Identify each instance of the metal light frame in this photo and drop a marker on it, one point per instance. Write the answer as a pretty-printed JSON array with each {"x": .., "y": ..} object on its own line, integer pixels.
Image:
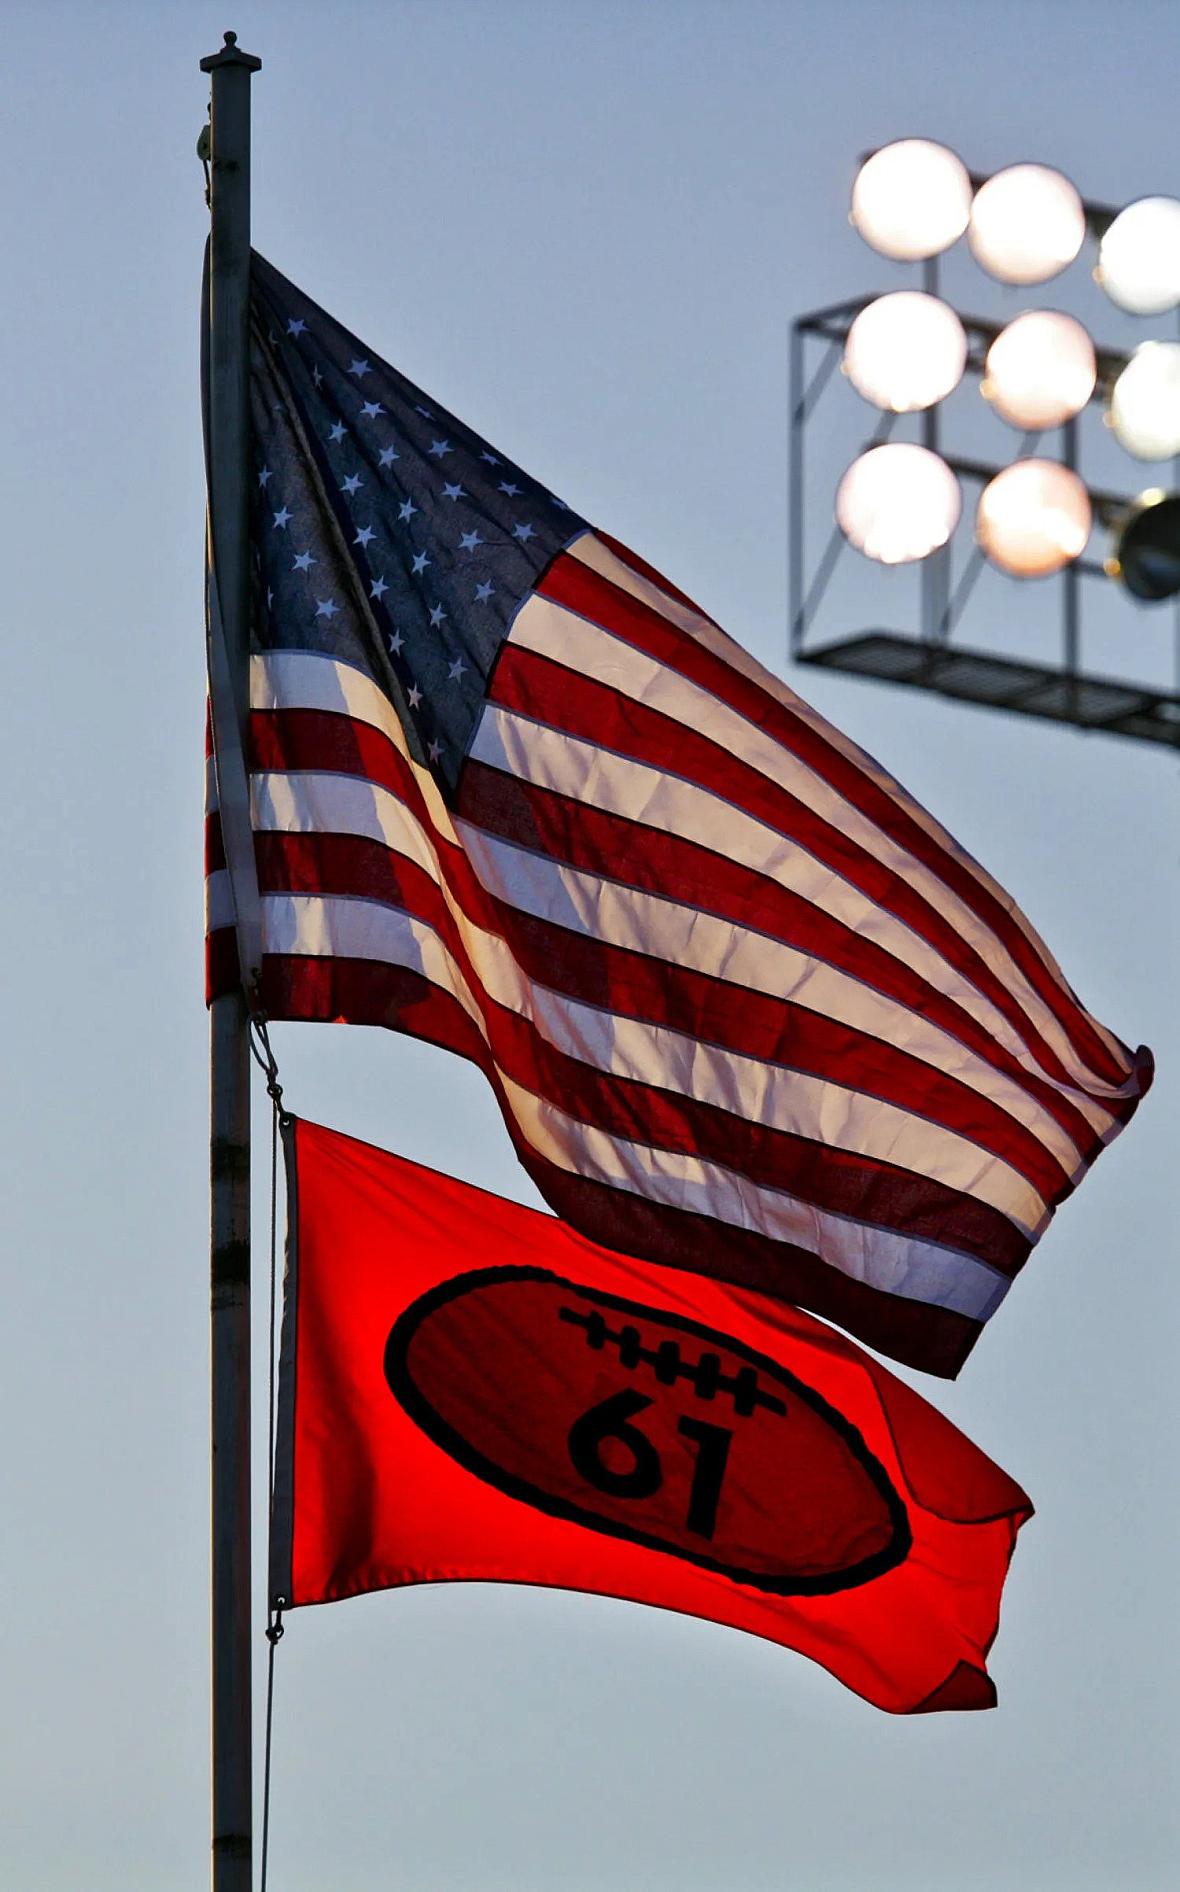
[{"x": 931, "y": 660}]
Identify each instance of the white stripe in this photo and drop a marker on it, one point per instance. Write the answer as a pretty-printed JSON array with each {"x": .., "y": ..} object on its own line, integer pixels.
[
  {"x": 594, "y": 776},
  {"x": 783, "y": 1099},
  {"x": 683, "y": 936},
  {"x": 915, "y": 1270},
  {"x": 787, "y": 1100},
  {"x": 589, "y": 650},
  {"x": 299, "y": 679},
  {"x": 593, "y": 553},
  {"x": 896, "y": 1264}
]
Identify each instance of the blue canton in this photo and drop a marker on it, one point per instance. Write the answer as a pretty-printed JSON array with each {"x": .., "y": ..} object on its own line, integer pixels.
[{"x": 387, "y": 534}]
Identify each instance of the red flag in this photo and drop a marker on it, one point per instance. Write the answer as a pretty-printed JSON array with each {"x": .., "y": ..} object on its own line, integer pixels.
[{"x": 470, "y": 1390}]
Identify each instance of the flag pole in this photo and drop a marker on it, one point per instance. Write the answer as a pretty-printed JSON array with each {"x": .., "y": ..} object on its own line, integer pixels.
[{"x": 229, "y": 1048}]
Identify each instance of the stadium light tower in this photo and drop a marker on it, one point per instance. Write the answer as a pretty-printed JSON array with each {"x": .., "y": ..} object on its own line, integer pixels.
[{"x": 905, "y": 501}]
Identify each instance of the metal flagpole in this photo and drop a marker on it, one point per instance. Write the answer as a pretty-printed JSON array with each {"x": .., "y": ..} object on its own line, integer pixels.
[{"x": 229, "y": 1068}]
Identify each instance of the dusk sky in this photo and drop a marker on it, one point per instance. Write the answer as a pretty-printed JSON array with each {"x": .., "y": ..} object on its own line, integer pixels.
[{"x": 585, "y": 226}]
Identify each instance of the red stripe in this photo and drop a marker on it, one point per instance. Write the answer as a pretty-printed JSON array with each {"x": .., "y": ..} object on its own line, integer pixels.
[
  {"x": 563, "y": 699},
  {"x": 846, "y": 1183},
  {"x": 643, "y": 570},
  {"x": 776, "y": 1032},
  {"x": 221, "y": 963},
  {"x": 288, "y": 741},
  {"x": 571, "y": 583},
  {"x": 634, "y": 986},
  {"x": 755, "y": 1024},
  {"x": 594, "y": 841},
  {"x": 931, "y": 1339}
]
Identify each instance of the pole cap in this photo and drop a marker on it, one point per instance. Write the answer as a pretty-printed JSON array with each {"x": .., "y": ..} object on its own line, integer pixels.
[{"x": 231, "y": 54}]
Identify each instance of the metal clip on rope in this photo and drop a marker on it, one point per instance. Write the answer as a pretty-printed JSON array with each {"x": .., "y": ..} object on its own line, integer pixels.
[{"x": 264, "y": 1057}]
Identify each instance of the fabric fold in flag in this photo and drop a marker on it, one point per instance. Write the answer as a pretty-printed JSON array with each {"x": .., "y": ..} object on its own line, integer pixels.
[
  {"x": 469, "y": 1390},
  {"x": 745, "y": 1006}
]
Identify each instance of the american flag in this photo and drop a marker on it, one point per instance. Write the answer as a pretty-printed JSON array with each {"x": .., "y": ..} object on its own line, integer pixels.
[{"x": 745, "y": 1006}]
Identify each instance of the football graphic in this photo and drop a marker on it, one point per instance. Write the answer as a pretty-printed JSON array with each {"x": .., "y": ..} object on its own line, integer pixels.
[{"x": 635, "y": 1421}]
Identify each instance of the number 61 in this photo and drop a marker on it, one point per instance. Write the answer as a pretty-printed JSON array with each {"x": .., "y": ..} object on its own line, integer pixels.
[{"x": 612, "y": 1419}]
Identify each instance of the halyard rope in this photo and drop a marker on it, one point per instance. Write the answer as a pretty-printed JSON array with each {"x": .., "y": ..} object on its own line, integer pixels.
[{"x": 260, "y": 1047}]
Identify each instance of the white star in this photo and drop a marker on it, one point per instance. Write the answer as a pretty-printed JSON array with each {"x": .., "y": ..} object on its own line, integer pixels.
[
  {"x": 359, "y": 368},
  {"x": 413, "y": 696},
  {"x": 304, "y": 562},
  {"x": 337, "y": 432},
  {"x": 457, "y": 669},
  {"x": 352, "y": 484},
  {"x": 512, "y": 491},
  {"x": 395, "y": 644},
  {"x": 490, "y": 459},
  {"x": 406, "y": 510},
  {"x": 559, "y": 503},
  {"x": 523, "y": 533},
  {"x": 378, "y": 588},
  {"x": 297, "y": 326},
  {"x": 453, "y": 492},
  {"x": 437, "y": 616},
  {"x": 425, "y": 413},
  {"x": 388, "y": 456},
  {"x": 420, "y": 563},
  {"x": 470, "y": 540},
  {"x": 371, "y": 409},
  {"x": 316, "y": 376},
  {"x": 434, "y": 751},
  {"x": 265, "y": 477},
  {"x": 440, "y": 448},
  {"x": 483, "y": 593},
  {"x": 281, "y": 519},
  {"x": 364, "y": 535},
  {"x": 326, "y": 608}
]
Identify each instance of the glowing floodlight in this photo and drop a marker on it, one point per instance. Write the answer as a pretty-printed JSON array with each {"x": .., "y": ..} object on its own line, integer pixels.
[
  {"x": 1145, "y": 403},
  {"x": 911, "y": 199},
  {"x": 898, "y": 503},
  {"x": 1027, "y": 224},
  {"x": 905, "y": 351},
  {"x": 1041, "y": 370},
  {"x": 1147, "y": 547},
  {"x": 1139, "y": 257},
  {"x": 1033, "y": 518}
]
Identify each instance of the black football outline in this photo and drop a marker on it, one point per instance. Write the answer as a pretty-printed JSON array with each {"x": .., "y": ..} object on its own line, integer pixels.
[{"x": 418, "y": 1408}]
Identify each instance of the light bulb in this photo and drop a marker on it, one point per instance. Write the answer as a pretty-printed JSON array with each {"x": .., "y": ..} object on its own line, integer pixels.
[
  {"x": 1145, "y": 402},
  {"x": 911, "y": 199},
  {"x": 1041, "y": 370},
  {"x": 905, "y": 351},
  {"x": 898, "y": 503},
  {"x": 1027, "y": 224},
  {"x": 1139, "y": 257},
  {"x": 1033, "y": 518}
]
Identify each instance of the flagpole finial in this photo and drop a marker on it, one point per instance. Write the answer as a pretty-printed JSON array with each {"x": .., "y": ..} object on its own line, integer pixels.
[{"x": 231, "y": 54}]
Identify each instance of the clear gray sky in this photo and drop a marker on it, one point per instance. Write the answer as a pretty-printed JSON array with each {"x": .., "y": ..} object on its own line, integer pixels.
[{"x": 585, "y": 225}]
